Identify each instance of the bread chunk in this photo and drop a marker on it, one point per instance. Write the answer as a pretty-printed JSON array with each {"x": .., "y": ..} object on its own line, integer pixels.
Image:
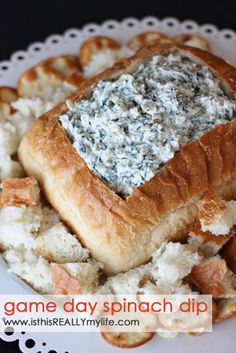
[
  {"x": 229, "y": 253},
  {"x": 19, "y": 192},
  {"x": 213, "y": 277},
  {"x": 207, "y": 243}
]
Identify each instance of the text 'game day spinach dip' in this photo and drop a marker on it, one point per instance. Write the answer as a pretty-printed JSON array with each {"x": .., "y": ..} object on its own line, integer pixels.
[{"x": 130, "y": 126}]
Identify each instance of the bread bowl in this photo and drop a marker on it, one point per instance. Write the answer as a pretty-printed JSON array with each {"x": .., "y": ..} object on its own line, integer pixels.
[{"x": 123, "y": 232}]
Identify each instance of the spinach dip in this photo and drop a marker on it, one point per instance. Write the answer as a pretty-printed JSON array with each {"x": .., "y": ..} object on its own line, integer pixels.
[{"x": 130, "y": 126}]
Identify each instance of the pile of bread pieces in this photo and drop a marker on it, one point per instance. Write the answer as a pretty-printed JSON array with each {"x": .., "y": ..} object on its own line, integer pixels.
[{"x": 46, "y": 253}]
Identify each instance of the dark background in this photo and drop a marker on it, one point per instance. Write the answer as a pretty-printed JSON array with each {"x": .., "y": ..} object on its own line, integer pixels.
[{"x": 23, "y": 22}]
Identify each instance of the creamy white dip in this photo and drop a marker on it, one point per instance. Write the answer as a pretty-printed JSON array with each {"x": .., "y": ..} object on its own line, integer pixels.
[{"x": 130, "y": 126}]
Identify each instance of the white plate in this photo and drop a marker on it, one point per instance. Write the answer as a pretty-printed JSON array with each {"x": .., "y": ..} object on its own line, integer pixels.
[{"x": 223, "y": 43}]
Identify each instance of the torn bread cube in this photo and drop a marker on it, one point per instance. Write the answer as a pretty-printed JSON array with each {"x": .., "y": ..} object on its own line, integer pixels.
[
  {"x": 88, "y": 273},
  {"x": 163, "y": 275},
  {"x": 170, "y": 264},
  {"x": 128, "y": 283},
  {"x": 33, "y": 269},
  {"x": 5, "y": 110},
  {"x": 9, "y": 167},
  {"x": 226, "y": 308},
  {"x": 19, "y": 226},
  {"x": 206, "y": 243},
  {"x": 213, "y": 277},
  {"x": 8, "y": 138},
  {"x": 19, "y": 192},
  {"x": 58, "y": 245},
  {"x": 216, "y": 215},
  {"x": 63, "y": 283},
  {"x": 76, "y": 278},
  {"x": 49, "y": 218},
  {"x": 229, "y": 254}
]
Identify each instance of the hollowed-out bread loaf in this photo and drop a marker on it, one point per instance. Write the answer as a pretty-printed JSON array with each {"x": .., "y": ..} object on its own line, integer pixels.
[{"x": 122, "y": 232}]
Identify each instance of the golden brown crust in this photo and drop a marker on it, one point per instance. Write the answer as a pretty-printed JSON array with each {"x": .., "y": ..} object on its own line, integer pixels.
[
  {"x": 212, "y": 209},
  {"x": 192, "y": 40},
  {"x": 193, "y": 334},
  {"x": 93, "y": 45},
  {"x": 8, "y": 94},
  {"x": 50, "y": 72},
  {"x": 123, "y": 233},
  {"x": 63, "y": 283},
  {"x": 208, "y": 237},
  {"x": 18, "y": 192},
  {"x": 127, "y": 339},
  {"x": 208, "y": 276},
  {"x": 148, "y": 38},
  {"x": 74, "y": 81}
]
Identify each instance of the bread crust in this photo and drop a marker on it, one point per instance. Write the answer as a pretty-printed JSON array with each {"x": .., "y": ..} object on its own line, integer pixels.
[
  {"x": 127, "y": 339},
  {"x": 200, "y": 42},
  {"x": 229, "y": 252},
  {"x": 19, "y": 192},
  {"x": 52, "y": 71},
  {"x": 121, "y": 233},
  {"x": 93, "y": 45},
  {"x": 209, "y": 275},
  {"x": 148, "y": 38}
]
